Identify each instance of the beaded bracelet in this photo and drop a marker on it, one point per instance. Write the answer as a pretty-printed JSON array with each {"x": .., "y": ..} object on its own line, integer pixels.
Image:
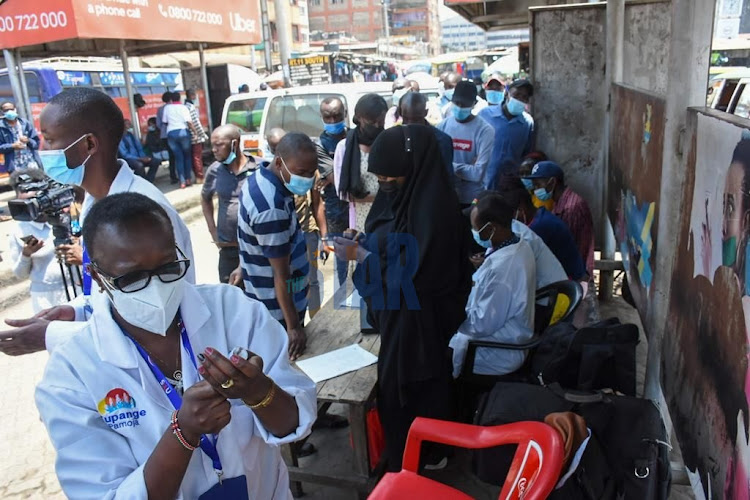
[
  {"x": 265, "y": 401},
  {"x": 178, "y": 433}
]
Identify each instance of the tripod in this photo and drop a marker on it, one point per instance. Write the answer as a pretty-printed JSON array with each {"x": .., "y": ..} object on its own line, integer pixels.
[
  {"x": 62, "y": 234},
  {"x": 69, "y": 285}
]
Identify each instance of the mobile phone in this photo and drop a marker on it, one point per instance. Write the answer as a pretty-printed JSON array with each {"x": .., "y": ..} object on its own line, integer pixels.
[{"x": 28, "y": 239}]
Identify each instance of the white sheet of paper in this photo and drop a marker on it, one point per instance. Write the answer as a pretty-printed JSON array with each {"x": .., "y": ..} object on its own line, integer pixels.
[
  {"x": 353, "y": 301},
  {"x": 335, "y": 363}
]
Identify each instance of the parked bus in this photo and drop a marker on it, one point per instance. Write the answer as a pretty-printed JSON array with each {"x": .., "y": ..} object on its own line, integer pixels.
[{"x": 46, "y": 78}]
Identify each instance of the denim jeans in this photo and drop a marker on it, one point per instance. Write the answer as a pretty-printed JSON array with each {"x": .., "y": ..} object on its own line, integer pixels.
[{"x": 179, "y": 143}]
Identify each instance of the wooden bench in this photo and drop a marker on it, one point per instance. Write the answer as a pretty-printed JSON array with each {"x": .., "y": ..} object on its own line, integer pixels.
[{"x": 330, "y": 329}]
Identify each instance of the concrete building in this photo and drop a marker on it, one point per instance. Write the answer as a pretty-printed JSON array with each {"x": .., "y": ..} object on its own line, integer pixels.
[
  {"x": 415, "y": 20},
  {"x": 298, "y": 19},
  {"x": 418, "y": 19},
  {"x": 460, "y": 34},
  {"x": 361, "y": 19}
]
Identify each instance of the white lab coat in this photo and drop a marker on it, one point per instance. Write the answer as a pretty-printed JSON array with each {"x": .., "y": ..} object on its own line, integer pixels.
[
  {"x": 95, "y": 461},
  {"x": 125, "y": 182},
  {"x": 548, "y": 268},
  {"x": 500, "y": 309}
]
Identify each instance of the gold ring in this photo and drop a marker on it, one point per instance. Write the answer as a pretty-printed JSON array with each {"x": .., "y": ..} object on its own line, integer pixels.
[{"x": 229, "y": 383}]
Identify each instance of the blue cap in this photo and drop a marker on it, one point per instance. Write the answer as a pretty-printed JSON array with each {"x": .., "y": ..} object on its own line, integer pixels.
[{"x": 545, "y": 170}]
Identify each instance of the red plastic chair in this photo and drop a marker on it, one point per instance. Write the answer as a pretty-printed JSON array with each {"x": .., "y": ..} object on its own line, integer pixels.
[{"x": 533, "y": 473}]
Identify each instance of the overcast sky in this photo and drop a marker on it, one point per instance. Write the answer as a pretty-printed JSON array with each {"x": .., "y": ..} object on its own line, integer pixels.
[{"x": 445, "y": 12}]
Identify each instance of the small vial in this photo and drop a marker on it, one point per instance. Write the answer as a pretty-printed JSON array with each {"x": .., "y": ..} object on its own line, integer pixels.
[{"x": 240, "y": 352}]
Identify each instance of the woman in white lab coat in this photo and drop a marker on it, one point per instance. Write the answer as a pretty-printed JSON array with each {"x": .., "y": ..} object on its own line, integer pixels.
[
  {"x": 145, "y": 401},
  {"x": 501, "y": 303}
]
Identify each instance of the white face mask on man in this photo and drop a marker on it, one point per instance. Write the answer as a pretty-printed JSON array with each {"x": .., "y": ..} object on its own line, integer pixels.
[{"x": 153, "y": 308}]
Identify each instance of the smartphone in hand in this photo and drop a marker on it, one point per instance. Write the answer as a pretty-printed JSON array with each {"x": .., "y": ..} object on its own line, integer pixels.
[{"x": 28, "y": 240}]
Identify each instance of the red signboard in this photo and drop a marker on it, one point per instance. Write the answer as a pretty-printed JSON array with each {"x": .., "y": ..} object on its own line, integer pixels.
[
  {"x": 28, "y": 23},
  {"x": 24, "y": 22}
]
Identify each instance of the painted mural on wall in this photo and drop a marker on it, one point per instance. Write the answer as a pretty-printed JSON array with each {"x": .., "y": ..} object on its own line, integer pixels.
[
  {"x": 635, "y": 156},
  {"x": 705, "y": 353},
  {"x": 635, "y": 240}
]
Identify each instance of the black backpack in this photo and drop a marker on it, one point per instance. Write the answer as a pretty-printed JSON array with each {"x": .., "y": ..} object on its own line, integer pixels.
[
  {"x": 598, "y": 356},
  {"x": 627, "y": 455}
]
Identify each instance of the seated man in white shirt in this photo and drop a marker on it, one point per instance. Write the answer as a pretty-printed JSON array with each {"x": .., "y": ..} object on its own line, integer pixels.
[
  {"x": 501, "y": 303},
  {"x": 82, "y": 128}
]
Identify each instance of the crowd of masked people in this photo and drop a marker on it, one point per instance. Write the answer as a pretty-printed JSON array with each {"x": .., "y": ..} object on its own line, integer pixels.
[
  {"x": 446, "y": 231},
  {"x": 175, "y": 135}
]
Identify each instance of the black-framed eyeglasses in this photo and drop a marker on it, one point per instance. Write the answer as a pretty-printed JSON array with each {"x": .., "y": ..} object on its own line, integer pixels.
[{"x": 138, "y": 280}]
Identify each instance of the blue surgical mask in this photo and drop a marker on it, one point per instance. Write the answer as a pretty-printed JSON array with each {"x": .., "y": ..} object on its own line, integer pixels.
[
  {"x": 460, "y": 114},
  {"x": 542, "y": 194},
  {"x": 152, "y": 128},
  {"x": 528, "y": 184},
  {"x": 297, "y": 184},
  {"x": 232, "y": 156},
  {"x": 495, "y": 96},
  {"x": 11, "y": 115},
  {"x": 334, "y": 128},
  {"x": 515, "y": 107},
  {"x": 449, "y": 94},
  {"x": 483, "y": 243},
  {"x": 56, "y": 165}
]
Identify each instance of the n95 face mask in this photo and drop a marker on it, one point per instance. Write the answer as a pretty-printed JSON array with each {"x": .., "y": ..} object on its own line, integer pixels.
[{"x": 153, "y": 308}]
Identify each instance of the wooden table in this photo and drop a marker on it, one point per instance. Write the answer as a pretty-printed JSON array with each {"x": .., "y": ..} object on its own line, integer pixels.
[{"x": 331, "y": 329}]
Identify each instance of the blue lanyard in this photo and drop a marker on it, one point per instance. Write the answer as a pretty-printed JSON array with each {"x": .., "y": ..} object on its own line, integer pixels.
[
  {"x": 86, "y": 285},
  {"x": 207, "y": 445}
]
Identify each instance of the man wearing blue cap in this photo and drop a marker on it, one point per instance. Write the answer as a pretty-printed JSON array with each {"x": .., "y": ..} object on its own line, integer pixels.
[
  {"x": 514, "y": 131},
  {"x": 549, "y": 183}
]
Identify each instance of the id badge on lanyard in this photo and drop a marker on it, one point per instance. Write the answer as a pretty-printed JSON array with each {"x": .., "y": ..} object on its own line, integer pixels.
[
  {"x": 207, "y": 443},
  {"x": 86, "y": 282}
]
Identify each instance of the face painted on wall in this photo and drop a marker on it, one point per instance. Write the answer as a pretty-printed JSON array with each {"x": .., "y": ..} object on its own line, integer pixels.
[{"x": 734, "y": 221}]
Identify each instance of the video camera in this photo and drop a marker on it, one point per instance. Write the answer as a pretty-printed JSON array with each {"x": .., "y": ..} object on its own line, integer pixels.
[{"x": 51, "y": 199}]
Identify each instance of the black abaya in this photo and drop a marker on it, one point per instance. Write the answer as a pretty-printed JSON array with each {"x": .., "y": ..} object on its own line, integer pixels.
[{"x": 414, "y": 366}]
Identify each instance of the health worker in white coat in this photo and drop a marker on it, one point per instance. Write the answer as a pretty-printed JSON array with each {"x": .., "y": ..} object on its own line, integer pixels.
[
  {"x": 501, "y": 304},
  {"x": 146, "y": 400},
  {"x": 82, "y": 128}
]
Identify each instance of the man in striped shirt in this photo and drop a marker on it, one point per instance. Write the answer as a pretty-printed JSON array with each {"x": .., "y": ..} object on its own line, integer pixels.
[{"x": 273, "y": 255}]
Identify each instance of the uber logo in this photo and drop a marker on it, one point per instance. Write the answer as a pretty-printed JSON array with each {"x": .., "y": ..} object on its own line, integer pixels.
[{"x": 238, "y": 23}]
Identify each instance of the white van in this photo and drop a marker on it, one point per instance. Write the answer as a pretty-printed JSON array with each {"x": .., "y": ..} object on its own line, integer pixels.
[{"x": 294, "y": 110}]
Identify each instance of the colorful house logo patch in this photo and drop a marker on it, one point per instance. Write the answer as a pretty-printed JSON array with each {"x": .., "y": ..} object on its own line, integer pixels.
[{"x": 119, "y": 410}]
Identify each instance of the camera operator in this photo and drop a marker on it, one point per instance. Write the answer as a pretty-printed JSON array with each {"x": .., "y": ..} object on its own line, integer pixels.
[
  {"x": 32, "y": 253},
  {"x": 82, "y": 129}
]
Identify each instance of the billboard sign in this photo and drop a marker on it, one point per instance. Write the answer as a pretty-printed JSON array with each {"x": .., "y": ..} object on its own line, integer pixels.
[{"x": 30, "y": 23}]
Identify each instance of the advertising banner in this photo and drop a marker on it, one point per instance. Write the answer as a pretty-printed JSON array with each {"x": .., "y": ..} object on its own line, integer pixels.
[{"x": 30, "y": 23}]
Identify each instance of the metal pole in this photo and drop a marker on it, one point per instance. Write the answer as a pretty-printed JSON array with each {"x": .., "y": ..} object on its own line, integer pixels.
[
  {"x": 15, "y": 83},
  {"x": 204, "y": 82},
  {"x": 129, "y": 90},
  {"x": 267, "y": 40},
  {"x": 282, "y": 29},
  {"x": 615, "y": 44},
  {"x": 24, "y": 87},
  {"x": 387, "y": 28}
]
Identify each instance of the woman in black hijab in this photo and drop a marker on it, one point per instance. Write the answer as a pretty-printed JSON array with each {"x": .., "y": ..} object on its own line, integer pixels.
[
  {"x": 415, "y": 277},
  {"x": 353, "y": 182}
]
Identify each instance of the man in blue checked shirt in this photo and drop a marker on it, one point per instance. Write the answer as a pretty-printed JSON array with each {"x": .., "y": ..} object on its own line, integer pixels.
[
  {"x": 514, "y": 132},
  {"x": 273, "y": 254}
]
